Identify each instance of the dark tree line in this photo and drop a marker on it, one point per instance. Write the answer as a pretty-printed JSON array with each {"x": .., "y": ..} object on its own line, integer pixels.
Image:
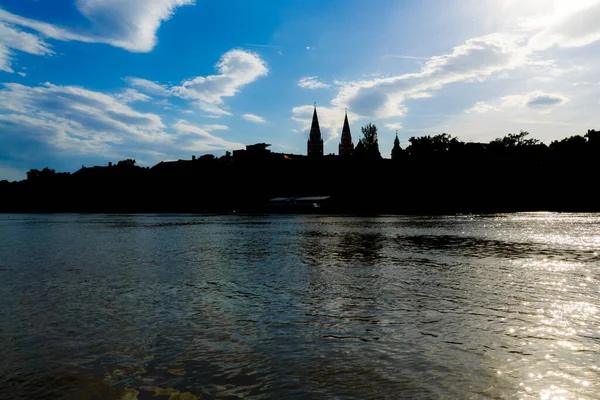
[
  {"x": 433, "y": 174},
  {"x": 517, "y": 146}
]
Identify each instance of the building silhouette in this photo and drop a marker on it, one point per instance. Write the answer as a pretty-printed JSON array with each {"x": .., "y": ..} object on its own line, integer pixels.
[
  {"x": 396, "y": 150},
  {"x": 346, "y": 147},
  {"x": 315, "y": 141},
  {"x": 253, "y": 152}
]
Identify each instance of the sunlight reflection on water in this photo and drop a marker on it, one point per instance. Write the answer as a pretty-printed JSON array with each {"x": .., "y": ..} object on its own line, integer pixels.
[{"x": 137, "y": 306}]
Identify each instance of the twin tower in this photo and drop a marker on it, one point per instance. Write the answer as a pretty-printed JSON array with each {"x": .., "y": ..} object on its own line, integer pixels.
[{"x": 315, "y": 141}]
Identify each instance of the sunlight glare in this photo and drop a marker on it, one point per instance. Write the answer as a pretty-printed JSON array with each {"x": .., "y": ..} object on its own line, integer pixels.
[{"x": 565, "y": 7}]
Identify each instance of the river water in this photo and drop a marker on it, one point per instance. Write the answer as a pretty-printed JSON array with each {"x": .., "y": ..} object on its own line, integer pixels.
[{"x": 185, "y": 307}]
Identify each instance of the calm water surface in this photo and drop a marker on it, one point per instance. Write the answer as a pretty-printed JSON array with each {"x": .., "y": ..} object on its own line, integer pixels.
[{"x": 185, "y": 307}]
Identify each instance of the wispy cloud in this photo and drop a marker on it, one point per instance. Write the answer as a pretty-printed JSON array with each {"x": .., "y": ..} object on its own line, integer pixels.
[
  {"x": 132, "y": 95},
  {"x": 194, "y": 138},
  {"x": 12, "y": 38},
  {"x": 312, "y": 82},
  {"x": 266, "y": 46},
  {"x": 573, "y": 29},
  {"x": 78, "y": 121},
  {"x": 216, "y": 127},
  {"x": 537, "y": 100},
  {"x": 475, "y": 60},
  {"x": 149, "y": 86},
  {"x": 481, "y": 107},
  {"x": 128, "y": 24},
  {"x": 254, "y": 118},
  {"x": 395, "y": 125},
  {"x": 236, "y": 69}
]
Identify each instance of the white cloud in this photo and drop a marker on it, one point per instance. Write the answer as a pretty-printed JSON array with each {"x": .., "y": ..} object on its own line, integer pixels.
[
  {"x": 5, "y": 56},
  {"x": 132, "y": 95},
  {"x": 164, "y": 104},
  {"x": 194, "y": 138},
  {"x": 215, "y": 127},
  {"x": 236, "y": 69},
  {"x": 585, "y": 83},
  {"x": 331, "y": 120},
  {"x": 254, "y": 118},
  {"x": 78, "y": 121},
  {"x": 482, "y": 107},
  {"x": 23, "y": 41},
  {"x": 148, "y": 86},
  {"x": 536, "y": 100},
  {"x": 393, "y": 126},
  {"x": 48, "y": 30},
  {"x": 575, "y": 28},
  {"x": 75, "y": 119},
  {"x": 476, "y": 60},
  {"x": 128, "y": 24},
  {"x": 312, "y": 82},
  {"x": 16, "y": 39},
  {"x": 23, "y": 74},
  {"x": 546, "y": 115}
]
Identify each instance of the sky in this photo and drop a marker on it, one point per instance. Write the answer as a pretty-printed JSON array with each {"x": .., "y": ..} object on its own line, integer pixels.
[{"x": 85, "y": 82}]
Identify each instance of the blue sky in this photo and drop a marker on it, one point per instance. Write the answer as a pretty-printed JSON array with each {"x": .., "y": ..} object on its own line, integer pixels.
[{"x": 84, "y": 82}]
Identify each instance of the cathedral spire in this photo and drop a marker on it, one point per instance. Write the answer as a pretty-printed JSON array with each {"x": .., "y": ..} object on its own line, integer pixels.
[
  {"x": 397, "y": 150},
  {"x": 314, "y": 128},
  {"x": 346, "y": 147},
  {"x": 315, "y": 141}
]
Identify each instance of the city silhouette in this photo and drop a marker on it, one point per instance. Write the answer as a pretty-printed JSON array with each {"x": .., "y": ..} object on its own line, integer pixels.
[{"x": 433, "y": 174}]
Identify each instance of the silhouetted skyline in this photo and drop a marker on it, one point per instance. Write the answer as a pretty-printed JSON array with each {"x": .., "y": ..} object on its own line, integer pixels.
[{"x": 434, "y": 174}]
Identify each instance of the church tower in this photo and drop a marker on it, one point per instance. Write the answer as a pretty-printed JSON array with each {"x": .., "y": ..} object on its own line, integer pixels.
[
  {"x": 315, "y": 141},
  {"x": 397, "y": 150},
  {"x": 346, "y": 147}
]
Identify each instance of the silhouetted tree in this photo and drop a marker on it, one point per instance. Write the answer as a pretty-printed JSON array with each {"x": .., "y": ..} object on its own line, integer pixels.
[
  {"x": 226, "y": 157},
  {"x": 428, "y": 145},
  {"x": 126, "y": 163},
  {"x": 369, "y": 142},
  {"x": 574, "y": 145},
  {"x": 514, "y": 140},
  {"x": 519, "y": 149},
  {"x": 593, "y": 137},
  {"x": 32, "y": 174},
  {"x": 207, "y": 157},
  {"x": 45, "y": 174}
]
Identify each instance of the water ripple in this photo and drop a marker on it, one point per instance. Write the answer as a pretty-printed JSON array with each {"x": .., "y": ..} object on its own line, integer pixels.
[{"x": 185, "y": 307}]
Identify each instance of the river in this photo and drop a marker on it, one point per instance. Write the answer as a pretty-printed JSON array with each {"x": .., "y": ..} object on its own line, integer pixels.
[{"x": 322, "y": 307}]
